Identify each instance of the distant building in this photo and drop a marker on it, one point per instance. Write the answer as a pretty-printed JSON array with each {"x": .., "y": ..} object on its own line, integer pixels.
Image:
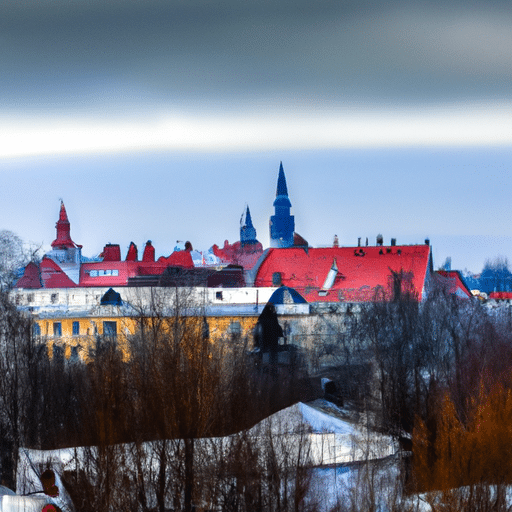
[{"x": 71, "y": 298}]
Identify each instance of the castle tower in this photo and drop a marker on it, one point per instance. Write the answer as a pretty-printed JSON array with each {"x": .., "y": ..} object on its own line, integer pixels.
[
  {"x": 282, "y": 224},
  {"x": 247, "y": 230},
  {"x": 63, "y": 226},
  {"x": 65, "y": 252}
]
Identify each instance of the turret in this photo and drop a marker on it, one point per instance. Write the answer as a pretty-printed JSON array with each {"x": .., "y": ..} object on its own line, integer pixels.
[
  {"x": 282, "y": 224},
  {"x": 63, "y": 226},
  {"x": 247, "y": 230},
  {"x": 64, "y": 251}
]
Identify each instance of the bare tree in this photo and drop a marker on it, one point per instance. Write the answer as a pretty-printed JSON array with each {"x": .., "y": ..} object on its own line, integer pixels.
[
  {"x": 14, "y": 255},
  {"x": 17, "y": 354}
]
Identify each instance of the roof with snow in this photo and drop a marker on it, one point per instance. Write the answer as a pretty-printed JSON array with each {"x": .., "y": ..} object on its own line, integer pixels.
[
  {"x": 316, "y": 421},
  {"x": 350, "y": 274},
  {"x": 52, "y": 276},
  {"x": 454, "y": 283}
]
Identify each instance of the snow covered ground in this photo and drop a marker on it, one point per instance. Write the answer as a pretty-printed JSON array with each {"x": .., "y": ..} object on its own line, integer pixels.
[{"x": 339, "y": 452}]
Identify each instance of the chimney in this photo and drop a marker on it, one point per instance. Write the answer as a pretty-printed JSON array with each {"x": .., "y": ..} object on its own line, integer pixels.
[
  {"x": 112, "y": 252},
  {"x": 427, "y": 241},
  {"x": 149, "y": 252},
  {"x": 380, "y": 239},
  {"x": 359, "y": 242},
  {"x": 393, "y": 242}
]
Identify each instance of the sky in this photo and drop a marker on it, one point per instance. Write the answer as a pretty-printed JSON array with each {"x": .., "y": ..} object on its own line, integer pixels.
[{"x": 161, "y": 120}]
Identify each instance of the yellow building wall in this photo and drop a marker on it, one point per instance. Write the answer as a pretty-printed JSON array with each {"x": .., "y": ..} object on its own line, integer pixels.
[{"x": 220, "y": 327}]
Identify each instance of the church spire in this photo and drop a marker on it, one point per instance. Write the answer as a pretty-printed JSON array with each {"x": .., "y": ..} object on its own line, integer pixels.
[
  {"x": 63, "y": 226},
  {"x": 282, "y": 224},
  {"x": 282, "y": 198},
  {"x": 282, "y": 189}
]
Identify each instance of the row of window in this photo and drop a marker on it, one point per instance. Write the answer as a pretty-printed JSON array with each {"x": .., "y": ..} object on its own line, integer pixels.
[
  {"x": 109, "y": 329},
  {"x": 101, "y": 273}
]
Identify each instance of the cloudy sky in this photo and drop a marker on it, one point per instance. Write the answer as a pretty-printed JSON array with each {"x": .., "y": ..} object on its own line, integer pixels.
[{"x": 161, "y": 119}]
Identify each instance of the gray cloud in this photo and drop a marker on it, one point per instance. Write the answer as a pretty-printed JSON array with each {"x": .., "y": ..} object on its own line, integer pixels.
[{"x": 77, "y": 55}]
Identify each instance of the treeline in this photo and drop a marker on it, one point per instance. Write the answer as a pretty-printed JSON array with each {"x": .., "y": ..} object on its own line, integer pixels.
[
  {"x": 435, "y": 374},
  {"x": 441, "y": 381},
  {"x": 175, "y": 388}
]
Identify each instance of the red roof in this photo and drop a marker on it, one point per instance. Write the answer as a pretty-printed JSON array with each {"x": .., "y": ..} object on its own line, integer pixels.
[
  {"x": 52, "y": 276},
  {"x": 178, "y": 259},
  {"x": 358, "y": 272},
  {"x": 31, "y": 277},
  {"x": 117, "y": 273},
  {"x": 500, "y": 295}
]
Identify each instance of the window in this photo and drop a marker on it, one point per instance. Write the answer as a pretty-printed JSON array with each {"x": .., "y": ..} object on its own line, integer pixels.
[
  {"x": 104, "y": 272},
  {"x": 30, "y": 297},
  {"x": 235, "y": 328},
  {"x": 218, "y": 295},
  {"x": 276, "y": 279},
  {"x": 57, "y": 329},
  {"x": 54, "y": 298},
  {"x": 76, "y": 328},
  {"x": 36, "y": 330},
  {"x": 110, "y": 329}
]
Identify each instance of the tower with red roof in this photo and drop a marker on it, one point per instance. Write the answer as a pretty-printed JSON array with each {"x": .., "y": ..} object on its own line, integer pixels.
[
  {"x": 65, "y": 253},
  {"x": 282, "y": 223}
]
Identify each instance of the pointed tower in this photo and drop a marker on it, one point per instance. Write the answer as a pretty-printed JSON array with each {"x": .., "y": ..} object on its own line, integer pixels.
[
  {"x": 63, "y": 226},
  {"x": 282, "y": 224},
  {"x": 65, "y": 252},
  {"x": 247, "y": 230}
]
